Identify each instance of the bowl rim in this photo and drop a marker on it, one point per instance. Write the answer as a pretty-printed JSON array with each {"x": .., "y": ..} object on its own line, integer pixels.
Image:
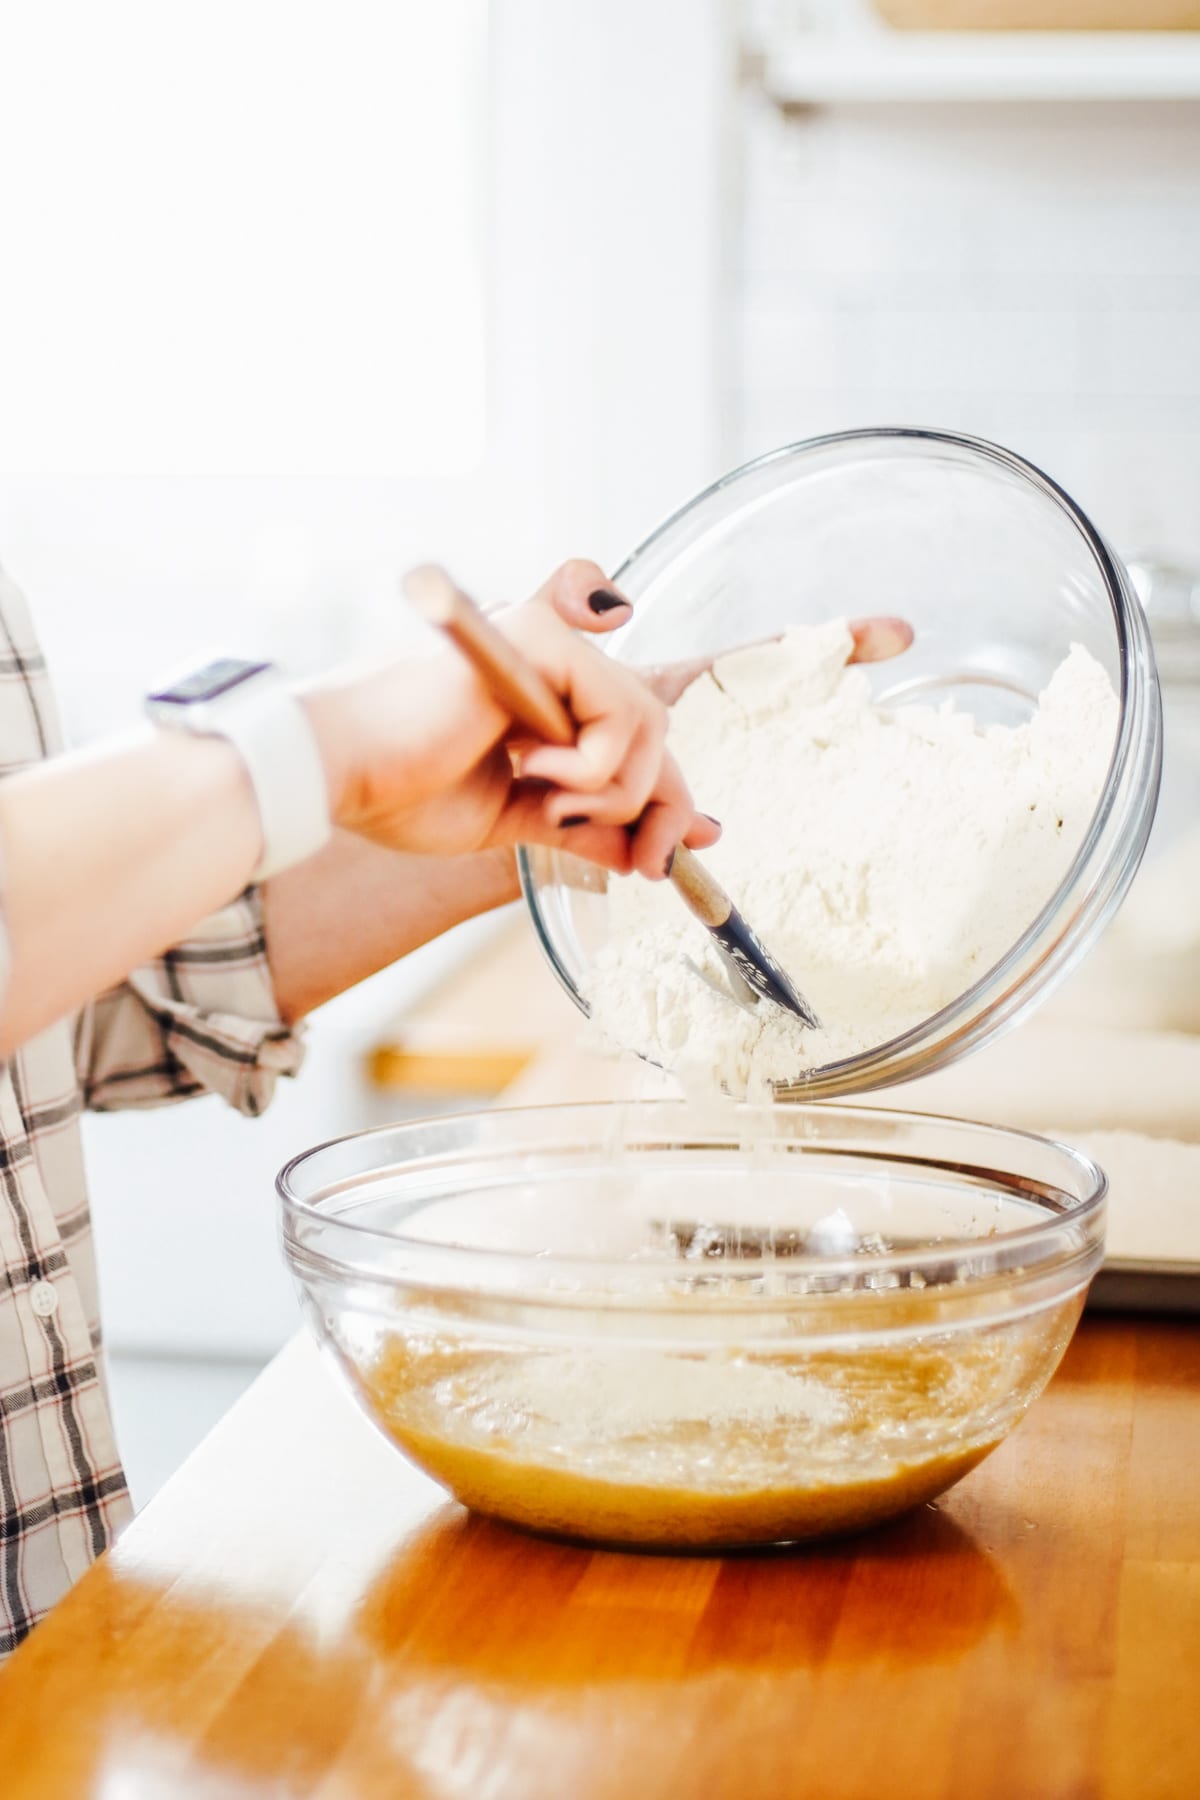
[
  {"x": 1087, "y": 1212},
  {"x": 967, "y": 1019}
]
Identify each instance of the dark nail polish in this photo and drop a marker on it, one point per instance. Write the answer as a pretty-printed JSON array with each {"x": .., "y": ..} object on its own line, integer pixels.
[
  {"x": 602, "y": 601},
  {"x": 713, "y": 821},
  {"x": 669, "y": 864},
  {"x": 574, "y": 819}
]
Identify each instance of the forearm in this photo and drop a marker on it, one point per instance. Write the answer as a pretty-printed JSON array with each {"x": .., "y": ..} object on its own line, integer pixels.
[
  {"x": 111, "y": 856},
  {"x": 356, "y": 908}
]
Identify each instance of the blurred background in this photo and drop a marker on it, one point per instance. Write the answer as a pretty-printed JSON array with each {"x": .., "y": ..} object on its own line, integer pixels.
[{"x": 293, "y": 295}]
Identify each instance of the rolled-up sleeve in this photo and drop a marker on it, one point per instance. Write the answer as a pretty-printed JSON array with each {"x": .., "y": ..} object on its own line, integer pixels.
[
  {"x": 202, "y": 1018},
  {"x": 5, "y": 953}
]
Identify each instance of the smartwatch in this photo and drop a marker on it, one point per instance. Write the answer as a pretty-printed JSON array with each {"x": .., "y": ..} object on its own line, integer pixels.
[{"x": 251, "y": 705}]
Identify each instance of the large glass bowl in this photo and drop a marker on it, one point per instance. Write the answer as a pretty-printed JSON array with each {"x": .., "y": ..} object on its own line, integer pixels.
[
  {"x": 998, "y": 571},
  {"x": 652, "y": 1325}
]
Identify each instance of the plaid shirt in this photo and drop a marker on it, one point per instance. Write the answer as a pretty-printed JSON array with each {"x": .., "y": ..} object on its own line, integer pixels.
[{"x": 201, "y": 1018}]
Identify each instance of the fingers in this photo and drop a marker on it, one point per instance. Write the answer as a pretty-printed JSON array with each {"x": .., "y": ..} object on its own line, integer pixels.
[
  {"x": 613, "y": 791},
  {"x": 623, "y": 746},
  {"x": 703, "y": 833},
  {"x": 524, "y": 822},
  {"x": 669, "y": 680},
  {"x": 534, "y": 815},
  {"x": 622, "y": 849},
  {"x": 617, "y": 776},
  {"x": 668, "y": 819},
  {"x": 647, "y": 846},
  {"x": 615, "y": 796},
  {"x": 875, "y": 640},
  {"x": 584, "y": 598},
  {"x": 614, "y": 763}
]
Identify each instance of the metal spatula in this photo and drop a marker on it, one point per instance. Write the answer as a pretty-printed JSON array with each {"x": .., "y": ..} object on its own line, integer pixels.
[{"x": 520, "y": 687}]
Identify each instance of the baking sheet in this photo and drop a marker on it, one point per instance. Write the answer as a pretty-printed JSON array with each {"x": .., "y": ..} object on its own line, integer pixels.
[
  {"x": 1131, "y": 1099},
  {"x": 1123, "y": 1287}
]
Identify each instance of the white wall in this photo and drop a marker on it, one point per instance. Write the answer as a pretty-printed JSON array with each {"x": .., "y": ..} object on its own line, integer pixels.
[
  {"x": 601, "y": 243},
  {"x": 1028, "y": 273}
]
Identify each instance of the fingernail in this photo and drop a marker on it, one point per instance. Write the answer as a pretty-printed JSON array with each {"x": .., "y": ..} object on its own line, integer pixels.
[
  {"x": 713, "y": 821},
  {"x": 573, "y": 819},
  {"x": 669, "y": 864},
  {"x": 602, "y": 601}
]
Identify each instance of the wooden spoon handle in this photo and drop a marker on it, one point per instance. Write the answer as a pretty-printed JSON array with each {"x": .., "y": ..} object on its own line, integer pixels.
[
  {"x": 514, "y": 681},
  {"x": 520, "y": 687},
  {"x": 533, "y": 703},
  {"x": 700, "y": 888}
]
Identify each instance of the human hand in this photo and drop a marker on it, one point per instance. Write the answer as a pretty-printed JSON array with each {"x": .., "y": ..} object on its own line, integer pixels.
[
  {"x": 461, "y": 791},
  {"x": 576, "y": 598},
  {"x": 875, "y": 640},
  {"x": 421, "y": 757}
]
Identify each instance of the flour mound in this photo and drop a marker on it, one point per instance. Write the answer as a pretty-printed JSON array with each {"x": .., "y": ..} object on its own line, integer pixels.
[{"x": 888, "y": 858}]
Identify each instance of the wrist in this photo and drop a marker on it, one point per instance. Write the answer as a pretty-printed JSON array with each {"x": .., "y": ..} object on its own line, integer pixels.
[
  {"x": 503, "y": 885},
  {"x": 203, "y": 772},
  {"x": 249, "y": 706}
]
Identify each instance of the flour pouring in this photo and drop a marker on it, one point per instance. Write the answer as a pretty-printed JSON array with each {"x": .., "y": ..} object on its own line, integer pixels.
[
  {"x": 927, "y": 843},
  {"x": 892, "y": 855}
]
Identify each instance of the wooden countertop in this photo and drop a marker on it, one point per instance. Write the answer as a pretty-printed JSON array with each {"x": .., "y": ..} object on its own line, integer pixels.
[{"x": 300, "y": 1613}]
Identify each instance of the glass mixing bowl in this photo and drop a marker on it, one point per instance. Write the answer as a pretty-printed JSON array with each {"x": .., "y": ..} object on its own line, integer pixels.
[
  {"x": 655, "y": 1325},
  {"x": 998, "y": 571}
]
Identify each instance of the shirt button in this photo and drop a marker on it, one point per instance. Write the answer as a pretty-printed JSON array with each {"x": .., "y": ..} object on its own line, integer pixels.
[{"x": 44, "y": 1299}]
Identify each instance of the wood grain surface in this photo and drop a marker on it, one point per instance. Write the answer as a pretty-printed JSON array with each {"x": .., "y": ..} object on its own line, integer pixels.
[{"x": 300, "y": 1613}]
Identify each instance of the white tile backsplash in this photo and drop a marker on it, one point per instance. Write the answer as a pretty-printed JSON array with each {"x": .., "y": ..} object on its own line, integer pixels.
[
  {"x": 1028, "y": 273},
  {"x": 978, "y": 349},
  {"x": 813, "y": 344},
  {"x": 1147, "y": 352}
]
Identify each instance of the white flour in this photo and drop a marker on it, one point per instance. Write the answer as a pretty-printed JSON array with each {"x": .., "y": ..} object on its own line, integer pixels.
[
  {"x": 610, "y": 1392},
  {"x": 888, "y": 859}
]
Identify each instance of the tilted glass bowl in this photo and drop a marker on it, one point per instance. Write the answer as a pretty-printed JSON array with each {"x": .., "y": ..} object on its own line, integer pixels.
[
  {"x": 998, "y": 571},
  {"x": 649, "y": 1324}
]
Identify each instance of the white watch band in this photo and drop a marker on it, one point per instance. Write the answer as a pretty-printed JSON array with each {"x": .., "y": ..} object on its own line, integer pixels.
[{"x": 272, "y": 733}]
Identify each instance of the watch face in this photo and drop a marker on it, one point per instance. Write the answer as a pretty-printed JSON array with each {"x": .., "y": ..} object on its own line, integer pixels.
[{"x": 213, "y": 679}]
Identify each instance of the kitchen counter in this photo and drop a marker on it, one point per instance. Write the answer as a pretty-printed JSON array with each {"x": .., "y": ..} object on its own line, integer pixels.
[{"x": 301, "y": 1613}]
